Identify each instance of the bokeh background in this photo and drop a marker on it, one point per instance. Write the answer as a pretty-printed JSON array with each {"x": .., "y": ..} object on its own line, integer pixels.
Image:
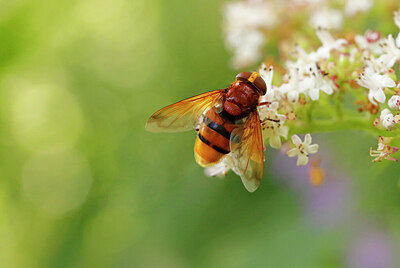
[{"x": 82, "y": 184}]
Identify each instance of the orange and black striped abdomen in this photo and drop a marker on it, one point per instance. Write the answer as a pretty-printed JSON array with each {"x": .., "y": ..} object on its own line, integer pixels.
[{"x": 213, "y": 137}]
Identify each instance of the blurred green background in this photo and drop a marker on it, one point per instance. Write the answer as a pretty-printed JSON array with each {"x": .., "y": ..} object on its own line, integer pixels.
[{"x": 82, "y": 184}]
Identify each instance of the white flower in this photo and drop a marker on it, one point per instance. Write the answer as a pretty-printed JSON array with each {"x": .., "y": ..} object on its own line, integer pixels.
[
  {"x": 316, "y": 82},
  {"x": 391, "y": 51},
  {"x": 397, "y": 18},
  {"x": 246, "y": 47},
  {"x": 328, "y": 43},
  {"x": 272, "y": 124},
  {"x": 304, "y": 61},
  {"x": 243, "y": 22},
  {"x": 327, "y": 18},
  {"x": 354, "y": 6},
  {"x": 273, "y": 93},
  {"x": 394, "y": 102},
  {"x": 308, "y": 2},
  {"x": 302, "y": 149},
  {"x": 250, "y": 14},
  {"x": 376, "y": 84},
  {"x": 221, "y": 168},
  {"x": 387, "y": 119},
  {"x": 267, "y": 74},
  {"x": 293, "y": 87},
  {"x": 377, "y": 65},
  {"x": 369, "y": 41}
]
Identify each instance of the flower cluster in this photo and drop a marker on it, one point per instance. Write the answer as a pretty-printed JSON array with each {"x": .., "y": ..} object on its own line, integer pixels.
[
  {"x": 242, "y": 23},
  {"x": 328, "y": 83},
  {"x": 248, "y": 24}
]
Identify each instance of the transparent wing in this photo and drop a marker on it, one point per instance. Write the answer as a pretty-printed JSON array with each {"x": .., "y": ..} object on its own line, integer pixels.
[
  {"x": 183, "y": 115},
  {"x": 247, "y": 151}
]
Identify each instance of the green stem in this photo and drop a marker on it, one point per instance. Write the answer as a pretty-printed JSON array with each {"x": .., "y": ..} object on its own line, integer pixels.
[
  {"x": 339, "y": 111},
  {"x": 309, "y": 112}
]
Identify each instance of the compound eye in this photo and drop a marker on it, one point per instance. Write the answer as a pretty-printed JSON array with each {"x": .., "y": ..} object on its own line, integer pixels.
[
  {"x": 243, "y": 76},
  {"x": 260, "y": 84}
]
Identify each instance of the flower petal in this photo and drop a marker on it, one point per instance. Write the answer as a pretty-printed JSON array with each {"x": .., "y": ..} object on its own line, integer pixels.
[
  {"x": 275, "y": 142},
  {"x": 302, "y": 160},
  {"x": 323, "y": 52},
  {"x": 379, "y": 96},
  {"x": 371, "y": 97},
  {"x": 314, "y": 93},
  {"x": 274, "y": 106},
  {"x": 306, "y": 84},
  {"x": 284, "y": 131},
  {"x": 387, "y": 60},
  {"x": 293, "y": 152},
  {"x": 312, "y": 149},
  {"x": 307, "y": 139},
  {"x": 267, "y": 74},
  {"x": 293, "y": 96},
  {"x": 327, "y": 89},
  {"x": 218, "y": 170},
  {"x": 296, "y": 140},
  {"x": 269, "y": 96},
  {"x": 387, "y": 81}
]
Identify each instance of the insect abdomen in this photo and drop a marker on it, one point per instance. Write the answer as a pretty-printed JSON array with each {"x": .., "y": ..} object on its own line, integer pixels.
[{"x": 212, "y": 141}]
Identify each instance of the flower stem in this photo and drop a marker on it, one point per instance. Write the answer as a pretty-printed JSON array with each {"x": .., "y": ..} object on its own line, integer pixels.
[{"x": 338, "y": 105}]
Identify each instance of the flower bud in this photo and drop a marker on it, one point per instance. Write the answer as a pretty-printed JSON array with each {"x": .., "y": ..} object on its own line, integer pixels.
[
  {"x": 394, "y": 102},
  {"x": 387, "y": 119}
]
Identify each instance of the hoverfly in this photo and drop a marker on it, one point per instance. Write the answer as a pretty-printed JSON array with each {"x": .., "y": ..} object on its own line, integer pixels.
[{"x": 227, "y": 123}]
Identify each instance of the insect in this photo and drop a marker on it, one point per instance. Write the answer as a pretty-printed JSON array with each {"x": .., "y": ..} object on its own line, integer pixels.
[{"x": 227, "y": 124}]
